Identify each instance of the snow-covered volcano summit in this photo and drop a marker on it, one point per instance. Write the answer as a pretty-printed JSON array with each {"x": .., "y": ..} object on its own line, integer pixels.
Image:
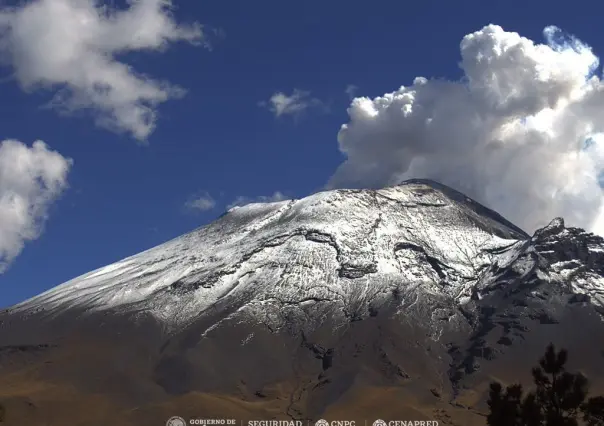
[
  {"x": 406, "y": 300},
  {"x": 338, "y": 251}
]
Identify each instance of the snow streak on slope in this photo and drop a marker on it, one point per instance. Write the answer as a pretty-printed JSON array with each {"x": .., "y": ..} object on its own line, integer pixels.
[
  {"x": 336, "y": 250},
  {"x": 569, "y": 258}
]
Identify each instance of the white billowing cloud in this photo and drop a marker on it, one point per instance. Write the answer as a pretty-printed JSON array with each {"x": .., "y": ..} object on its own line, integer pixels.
[
  {"x": 201, "y": 202},
  {"x": 241, "y": 200},
  {"x": 31, "y": 179},
  {"x": 299, "y": 101},
  {"x": 522, "y": 132},
  {"x": 73, "y": 46}
]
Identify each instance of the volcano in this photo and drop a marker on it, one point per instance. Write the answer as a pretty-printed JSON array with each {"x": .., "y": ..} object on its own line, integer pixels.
[{"x": 402, "y": 303}]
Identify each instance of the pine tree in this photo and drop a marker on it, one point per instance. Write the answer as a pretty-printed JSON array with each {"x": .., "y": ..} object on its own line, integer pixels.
[
  {"x": 559, "y": 398},
  {"x": 593, "y": 411}
]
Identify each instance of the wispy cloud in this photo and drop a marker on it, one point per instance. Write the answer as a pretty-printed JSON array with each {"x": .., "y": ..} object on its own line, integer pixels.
[
  {"x": 31, "y": 179},
  {"x": 243, "y": 200},
  {"x": 200, "y": 202},
  {"x": 351, "y": 91},
  {"x": 295, "y": 104},
  {"x": 71, "y": 46}
]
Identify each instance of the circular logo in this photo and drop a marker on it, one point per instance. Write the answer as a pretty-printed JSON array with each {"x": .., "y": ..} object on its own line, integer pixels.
[
  {"x": 322, "y": 422},
  {"x": 379, "y": 422},
  {"x": 176, "y": 421}
]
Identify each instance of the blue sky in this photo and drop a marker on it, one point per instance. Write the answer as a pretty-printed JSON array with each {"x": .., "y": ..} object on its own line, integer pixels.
[{"x": 125, "y": 196}]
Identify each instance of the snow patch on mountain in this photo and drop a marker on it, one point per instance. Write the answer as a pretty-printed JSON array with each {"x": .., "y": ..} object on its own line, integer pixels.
[{"x": 335, "y": 252}]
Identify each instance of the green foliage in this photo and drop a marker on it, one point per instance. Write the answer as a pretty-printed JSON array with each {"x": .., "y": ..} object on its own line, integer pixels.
[{"x": 560, "y": 398}]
